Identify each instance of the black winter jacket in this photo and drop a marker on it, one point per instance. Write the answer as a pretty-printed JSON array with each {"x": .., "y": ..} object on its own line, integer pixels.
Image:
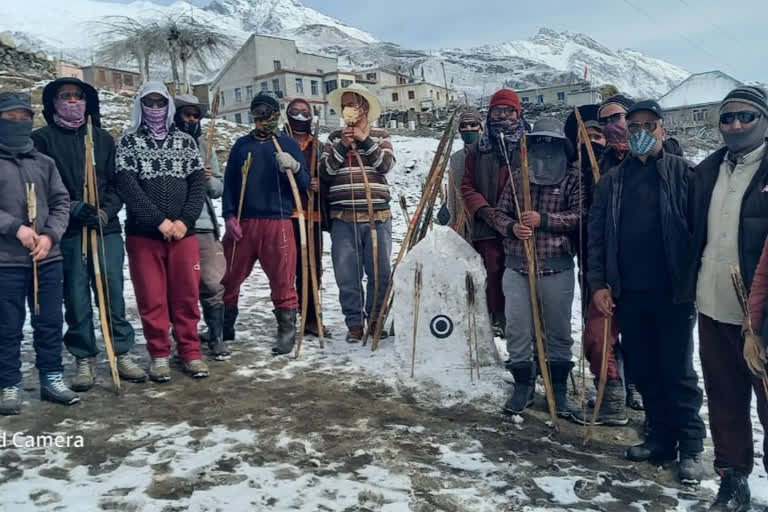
[
  {"x": 676, "y": 184},
  {"x": 753, "y": 220}
]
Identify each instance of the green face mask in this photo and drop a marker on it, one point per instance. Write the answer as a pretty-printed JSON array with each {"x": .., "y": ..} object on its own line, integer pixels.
[{"x": 470, "y": 136}]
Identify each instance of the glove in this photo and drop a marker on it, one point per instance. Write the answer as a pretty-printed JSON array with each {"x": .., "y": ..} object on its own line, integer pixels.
[
  {"x": 286, "y": 161},
  {"x": 233, "y": 229},
  {"x": 754, "y": 354},
  {"x": 84, "y": 213}
]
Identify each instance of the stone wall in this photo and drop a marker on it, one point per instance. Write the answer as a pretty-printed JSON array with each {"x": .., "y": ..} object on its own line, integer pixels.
[{"x": 13, "y": 60}]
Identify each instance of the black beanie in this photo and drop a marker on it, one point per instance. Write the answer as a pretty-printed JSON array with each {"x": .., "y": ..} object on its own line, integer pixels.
[
  {"x": 265, "y": 98},
  {"x": 618, "y": 100},
  {"x": 751, "y": 95}
]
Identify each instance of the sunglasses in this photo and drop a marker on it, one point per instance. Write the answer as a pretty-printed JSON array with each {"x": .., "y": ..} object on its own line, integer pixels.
[
  {"x": 154, "y": 102},
  {"x": 613, "y": 118},
  {"x": 649, "y": 126},
  {"x": 68, "y": 95},
  {"x": 296, "y": 112},
  {"x": 194, "y": 114},
  {"x": 469, "y": 124},
  {"x": 744, "y": 117},
  {"x": 262, "y": 112},
  {"x": 498, "y": 110}
]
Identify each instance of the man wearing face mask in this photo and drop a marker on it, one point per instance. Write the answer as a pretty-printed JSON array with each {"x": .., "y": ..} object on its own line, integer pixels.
[
  {"x": 22, "y": 243},
  {"x": 612, "y": 116},
  {"x": 639, "y": 251},
  {"x": 265, "y": 231},
  {"x": 731, "y": 225},
  {"x": 67, "y": 104},
  {"x": 483, "y": 182},
  {"x": 470, "y": 129},
  {"x": 351, "y": 225},
  {"x": 557, "y": 197},
  {"x": 189, "y": 111},
  {"x": 299, "y": 127},
  {"x": 161, "y": 179}
]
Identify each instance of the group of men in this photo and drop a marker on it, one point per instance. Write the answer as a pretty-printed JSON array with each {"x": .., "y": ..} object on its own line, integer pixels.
[
  {"x": 654, "y": 238},
  {"x": 657, "y": 240}
]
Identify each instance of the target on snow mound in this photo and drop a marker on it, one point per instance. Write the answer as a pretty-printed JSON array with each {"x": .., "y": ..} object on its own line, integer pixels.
[{"x": 453, "y": 332}]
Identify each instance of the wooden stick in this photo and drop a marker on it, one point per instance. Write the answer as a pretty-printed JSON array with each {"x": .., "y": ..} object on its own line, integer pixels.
[
  {"x": 303, "y": 241},
  {"x": 311, "y": 243},
  {"x": 743, "y": 297},
  {"x": 469, "y": 283},
  {"x": 590, "y": 150},
  {"x": 212, "y": 127},
  {"x": 32, "y": 215},
  {"x": 603, "y": 379},
  {"x": 404, "y": 209},
  {"x": 416, "y": 301},
  {"x": 244, "y": 170}
]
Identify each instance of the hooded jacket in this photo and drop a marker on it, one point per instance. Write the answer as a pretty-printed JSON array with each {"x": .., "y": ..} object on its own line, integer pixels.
[
  {"x": 158, "y": 179},
  {"x": 52, "y": 205},
  {"x": 66, "y": 147}
]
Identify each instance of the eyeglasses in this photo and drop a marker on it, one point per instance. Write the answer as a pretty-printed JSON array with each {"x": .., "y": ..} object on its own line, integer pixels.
[
  {"x": 68, "y": 95},
  {"x": 262, "y": 112},
  {"x": 744, "y": 117},
  {"x": 498, "y": 110},
  {"x": 297, "y": 112},
  {"x": 154, "y": 102},
  {"x": 649, "y": 126},
  {"x": 191, "y": 113},
  {"x": 543, "y": 139},
  {"x": 468, "y": 124},
  {"x": 613, "y": 118}
]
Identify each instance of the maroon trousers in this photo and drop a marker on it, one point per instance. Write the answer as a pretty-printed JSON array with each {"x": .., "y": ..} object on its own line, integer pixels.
[
  {"x": 166, "y": 281},
  {"x": 593, "y": 342},
  {"x": 729, "y": 386},
  {"x": 492, "y": 252},
  {"x": 271, "y": 243}
]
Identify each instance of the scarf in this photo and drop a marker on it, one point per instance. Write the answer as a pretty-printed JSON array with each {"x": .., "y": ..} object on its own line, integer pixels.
[
  {"x": 300, "y": 123},
  {"x": 155, "y": 120},
  {"x": 744, "y": 142},
  {"x": 513, "y": 131},
  {"x": 15, "y": 136},
  {"x": 69, "y": 115},
  {"x": 548, "y": 162},
  {"x": 615, "y": 133},
  {"x": 264, "y": 129},
  {"x": 190, "y": 127}
]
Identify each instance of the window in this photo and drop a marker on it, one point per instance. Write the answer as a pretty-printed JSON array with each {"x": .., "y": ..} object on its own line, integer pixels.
[
  {"x": 277, "y": 65},
  {"x": 431, "y": 93},
  {"x": 221, "y": 98},
  {"x": 395, "y": 97},
  {"x": 700, "y": 115},
  {"x": 101, "y": 76},
  {"x": 525, "y": 99},
  {"x": 561, "y": 96},
  {"x": 346, "y": 83},
  {"x": 238, "y": 95},
  {"x": 276, "y": 84},
  {"x": 248, "y": 92},
  {"x": 540, "y": 98},
  {"x": 411, "y": 95},
  {"x": 320, "y": 71},
  {"x": 224, "y": 117},
  {"x": 239, "y": 118},
  {"x": 438, "y": 95},
  {"x": 331, "y": 85},
  {"x": 315, "y": 88},
  {"x": 128, "y": 80},
  {"x": 299, "y": 86},
  {"x": 264, "y": 86},
  {"x": 370, "y": 76}
]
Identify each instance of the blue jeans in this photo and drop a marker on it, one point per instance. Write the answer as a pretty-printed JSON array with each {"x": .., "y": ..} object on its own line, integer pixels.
[
  {"x": 352, "y": 254},
  {"x": 16, "y": 288}
]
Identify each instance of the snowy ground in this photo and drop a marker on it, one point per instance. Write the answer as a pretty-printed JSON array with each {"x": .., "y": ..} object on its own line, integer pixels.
[{"x": 339, "y": 429}]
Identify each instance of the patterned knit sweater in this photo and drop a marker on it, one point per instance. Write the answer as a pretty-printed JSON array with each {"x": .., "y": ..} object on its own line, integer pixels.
[
  {"x": 159, "y": 180},
  {"x": 340, "y": 168}
]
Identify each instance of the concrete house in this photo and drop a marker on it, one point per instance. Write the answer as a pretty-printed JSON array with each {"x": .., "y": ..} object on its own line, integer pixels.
[
  {"x": 398, "y": 91},
  {"x": 576, "y": 94},
  {"x": 112, "y": 79},
  {"x": 695, "y": 102}
]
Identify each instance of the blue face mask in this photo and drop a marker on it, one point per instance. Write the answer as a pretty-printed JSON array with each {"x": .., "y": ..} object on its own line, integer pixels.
[{"x": 642, "y": 143}]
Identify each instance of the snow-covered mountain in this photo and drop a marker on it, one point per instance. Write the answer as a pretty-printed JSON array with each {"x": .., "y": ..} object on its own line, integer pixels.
[{"x": 548, "y": 58}]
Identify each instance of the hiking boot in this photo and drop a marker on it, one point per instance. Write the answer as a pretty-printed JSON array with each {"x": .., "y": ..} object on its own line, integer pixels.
[
  {"x": 214, "y": 318},
  {"x": 160, "y": 371},
  {"x": 691, "y": 470},
  {"x": 612, "y": 410},
  {"x": 312, "y": 330},
  {"x": 228, "y": 329},
  {"x": 560, "y": 370},
  {"x": 522, "y": 396},
  {"x": 129, "y": 370},
  {"x": 498, "y": 324},
  {"x": 634, "y": 399},
  {"x": 10, "y": 400},
  {"x": 355, "y": 334},
  {"x": 651, "y": 451},
  {"x": 52, "y": 389},
  {"x": 286, "y": 331},
  {"x": 196, "y": 368},
  {"x": 85, "y": 376},
  {"x": 734, "y": 494}
]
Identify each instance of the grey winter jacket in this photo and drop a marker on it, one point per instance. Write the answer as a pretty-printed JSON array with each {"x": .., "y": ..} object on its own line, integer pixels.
[
  {"x": 52, "y": 205},
  {"x": 214, "y": 188}
]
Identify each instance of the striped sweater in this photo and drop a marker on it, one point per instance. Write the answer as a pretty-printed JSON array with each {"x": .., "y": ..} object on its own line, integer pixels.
[{"x": 340, "y": 169}]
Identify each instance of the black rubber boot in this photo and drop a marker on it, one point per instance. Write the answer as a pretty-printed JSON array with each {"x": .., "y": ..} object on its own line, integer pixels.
[
  {"x": 559, "y": 371},
  {"x": 522, "y": 397},
  {"x": 214, "y": 318},
  {"x": 286, "y": 331},
  {"x": 734, "y": 494},
  {"x": 228, "y": 330},
  {"x": 653, "y": 451}
]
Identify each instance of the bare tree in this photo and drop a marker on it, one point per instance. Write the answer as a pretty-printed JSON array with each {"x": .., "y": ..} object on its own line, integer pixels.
[{"x": 122, "y": 38}]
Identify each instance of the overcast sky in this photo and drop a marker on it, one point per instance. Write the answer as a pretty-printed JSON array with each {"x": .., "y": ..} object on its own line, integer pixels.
[{"x": 699, "y": 35}]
